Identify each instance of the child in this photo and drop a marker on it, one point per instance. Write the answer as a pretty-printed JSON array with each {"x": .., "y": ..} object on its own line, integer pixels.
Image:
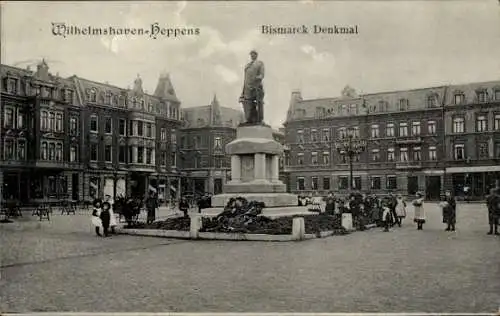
[
  {"x": 418, "y": 203},
  {"x": 400, "y": 210},
  {"x": 105, "y": 218},
  {"x": 386, "y": 217},
  {"x": 96, "y": 219}
]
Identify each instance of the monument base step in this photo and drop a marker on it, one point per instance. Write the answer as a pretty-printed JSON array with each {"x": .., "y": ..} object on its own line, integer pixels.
[
  {"x": 269, "y": 199},
  {"x": 255, "y": 187}
]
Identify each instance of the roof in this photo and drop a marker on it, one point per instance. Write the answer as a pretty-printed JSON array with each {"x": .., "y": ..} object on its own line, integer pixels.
[{"x": 202, "y": 116}]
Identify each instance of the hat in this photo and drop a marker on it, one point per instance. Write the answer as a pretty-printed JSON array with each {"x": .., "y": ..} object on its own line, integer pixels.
[
  {"x": 97, "y": 201},
  {"x": 253, "y": 51}
]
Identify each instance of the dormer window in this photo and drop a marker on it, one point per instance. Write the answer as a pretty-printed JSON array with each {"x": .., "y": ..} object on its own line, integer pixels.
[
  {"x": 150, "y": 106},
  {"x": 68, "y": 95},
  {"x": 381, "y": 105},
  {"x": 114, "y": 100},
  {"x": 403, "y": 104},
  {"x": 353, "y": 109},
  {"x": 11, "y": 86},
  {"x": 121, "y": 101},
  {"x": 134, "y": 102},
  {"x": 107, "y": 99},
  {"x": 459, "y": 98},
  {"x": 143, "y": 104},
  {"x": 431, "y": 101},
  {"x": 320, "y": 112},
  {"x": 482, "y": 96},
  {"x": 92, "y": 95},
  {"x": 497, "y": 94}
]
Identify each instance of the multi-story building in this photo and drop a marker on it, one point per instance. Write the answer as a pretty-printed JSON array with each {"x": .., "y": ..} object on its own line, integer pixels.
[
  {"x": 472, "y": 116},
  {"x": 76, "y": 138},
  {"x": 404, "y": 134},
  {"x": 39, "y": 132},
  {"x": 203, "y": 138}
]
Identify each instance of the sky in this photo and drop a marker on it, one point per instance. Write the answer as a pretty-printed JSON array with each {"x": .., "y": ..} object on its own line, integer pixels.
[{"x": 400, "y": 45}]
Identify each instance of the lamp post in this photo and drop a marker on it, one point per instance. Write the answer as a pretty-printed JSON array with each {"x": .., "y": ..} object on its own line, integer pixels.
[{"x": 350, "y": 145}]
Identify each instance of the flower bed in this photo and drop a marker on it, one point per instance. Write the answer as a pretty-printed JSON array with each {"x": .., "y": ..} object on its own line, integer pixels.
[
  {"x": 179, "y": 223},
  {"x": 314, "y": 224}
]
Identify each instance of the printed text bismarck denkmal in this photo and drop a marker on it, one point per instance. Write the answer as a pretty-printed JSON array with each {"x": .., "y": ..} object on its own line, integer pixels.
[{"x": 310, "y": 29}]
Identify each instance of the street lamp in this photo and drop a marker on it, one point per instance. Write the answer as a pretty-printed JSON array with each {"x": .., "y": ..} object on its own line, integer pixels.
[{"x": 350, "y": 145}]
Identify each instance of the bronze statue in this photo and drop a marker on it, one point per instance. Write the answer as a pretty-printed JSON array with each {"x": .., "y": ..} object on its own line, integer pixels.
[{"x": 252, "y": 96}]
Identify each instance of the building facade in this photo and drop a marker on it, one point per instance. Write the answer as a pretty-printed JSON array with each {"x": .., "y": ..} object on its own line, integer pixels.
[
  {"x": 79, "y": 139},
  {"x": 408, "y": 138},
  {"x": 472, "y": 115}
]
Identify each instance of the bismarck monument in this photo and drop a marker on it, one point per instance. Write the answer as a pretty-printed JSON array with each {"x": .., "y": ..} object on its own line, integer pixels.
[{"x": 254, "y": 153}]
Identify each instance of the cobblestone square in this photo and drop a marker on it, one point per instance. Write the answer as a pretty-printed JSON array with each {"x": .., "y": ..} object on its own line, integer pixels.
[{"x": 61, "y": 266}]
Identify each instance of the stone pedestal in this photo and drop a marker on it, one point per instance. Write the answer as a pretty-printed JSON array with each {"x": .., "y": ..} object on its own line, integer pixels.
[{"x": 255, "y": 169}]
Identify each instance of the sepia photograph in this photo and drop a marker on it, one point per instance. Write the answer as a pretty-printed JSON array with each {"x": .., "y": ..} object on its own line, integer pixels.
[{"x": 250, "y": 157}]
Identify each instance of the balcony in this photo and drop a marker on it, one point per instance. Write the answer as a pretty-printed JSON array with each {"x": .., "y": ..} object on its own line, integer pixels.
[
  {"x": 409, "y": 165},
  {"x": 409, "y": 140}
]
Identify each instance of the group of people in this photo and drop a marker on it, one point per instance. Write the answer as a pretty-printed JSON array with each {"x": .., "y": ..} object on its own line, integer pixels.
[{"x": 103, "y": 217}]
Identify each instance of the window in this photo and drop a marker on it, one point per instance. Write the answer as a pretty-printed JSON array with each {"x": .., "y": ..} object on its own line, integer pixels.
[
  {"x": 356, "y": 183},
  {"x": 459, "y": 98},
  {"x": 415, "y": 128},
  {"x": 93, "y": 152},
  {"x": 403, "y": 129},
  {"x": 173, "y": 137},
  {"x": 52, "y": 121},
  {"x": 326, "y": 134},
  {"x": 196, "y": 143},
  {"x": 353, "y": 109},
  {"x": 12, "y": 86},
  {"x": 482, "y": 96},
  {"x": 68, "y": 96},
  {"x": 164, "y": 158},
  {"x": 107, "y": 153},
  {"x": 389, "y": 130},
  {"x": 8, "y": 121},
  {"x": 326, "y": 183},
  {"x": 458, "y": 125},
  {"x": 20, "y": 120},
  {"x": 326, "y": 158},
  {"x": 390, "y": 154},
  {"x": 314, "y": 158},
  {"x": 431, "y": 127},
  {"x": 150, "y": 107},
  {"x": 108, "y": 125},
  {"x": 417, "y": 154},
  {"x": 122, "y": 153},
  {"x": 403, "y": 154},
  {"x": 140, "y": 128},
  {"x": 314, "y": 183},
  {"x": 72, "y": 153},
  {"x": 149, "y": 130},
  {"x": 9, "y": 149},
  {"x": 92, "y": 95},
  {"x": 432, "y": 153},
  {"x": 122, "y": 127},
  {"x": 355, "y": 132},
  {"x": 52, "y": 151},
  {"x": 149, "y": 156},
  {"x": 140, "y": 154},
  {"x": 21, "y": 150},
  {"x": 93, "y": 123},
  {"x": 300, "y": 136},
  {"x": 301, "y": 184},
  {"x": 217, "y": 143},
  {"x": 375, "y": 155},
  {"x": 375, "y": 130},
  {"x": 44, "y": 120},
  {"x": 59, "y": 152},
  {"x": 342, "y": 132},
  {"x": 391, "y": 183},
  {"x": 73, "y": 126},
  {"x": 403, "y": 104},
  {"x": 300, "y": 159},
  {"x": 375, "y": 184},
  {"x": 173, "y": 159},
  {"x": 163, "y": 134},
  {"x": 481, "y": 123},
  {"x": 343, "y": 183},
  {"x": 459, "y": 152},
  {"x": 497, "y": 122},
  {"x": 497, "y": 150},
  {"x": 483, "y": 150},
  {"x": 143, "y": 104},
  {"x": 432, "y": 101},
  {"x": 107, "y": 99},
  {"x": 59, "y": 122},
  {"x": 44, "y": 151},
  {"x": 314, "y": 135},
  {"x": 343, "y": 157},
  {"x": 497, "y": 95}
]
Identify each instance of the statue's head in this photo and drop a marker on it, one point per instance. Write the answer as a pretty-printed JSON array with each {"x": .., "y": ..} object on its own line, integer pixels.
[{"x": 253, "y": 54}]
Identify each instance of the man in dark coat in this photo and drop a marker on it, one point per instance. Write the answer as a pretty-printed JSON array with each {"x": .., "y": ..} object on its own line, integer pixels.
[
  {"x": 151, "y": 206},
  {"x": 450, "y": 211},
  {"x": 493, "y": 202},
  {"x": 330, "y": 204}
]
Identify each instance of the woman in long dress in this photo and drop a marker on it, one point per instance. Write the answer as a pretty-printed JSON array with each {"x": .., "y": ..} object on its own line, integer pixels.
[
  {"x": 96, "y": 216},
  {"x": 400, "y": 210},
  {"x": 418, "y": 204}
]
